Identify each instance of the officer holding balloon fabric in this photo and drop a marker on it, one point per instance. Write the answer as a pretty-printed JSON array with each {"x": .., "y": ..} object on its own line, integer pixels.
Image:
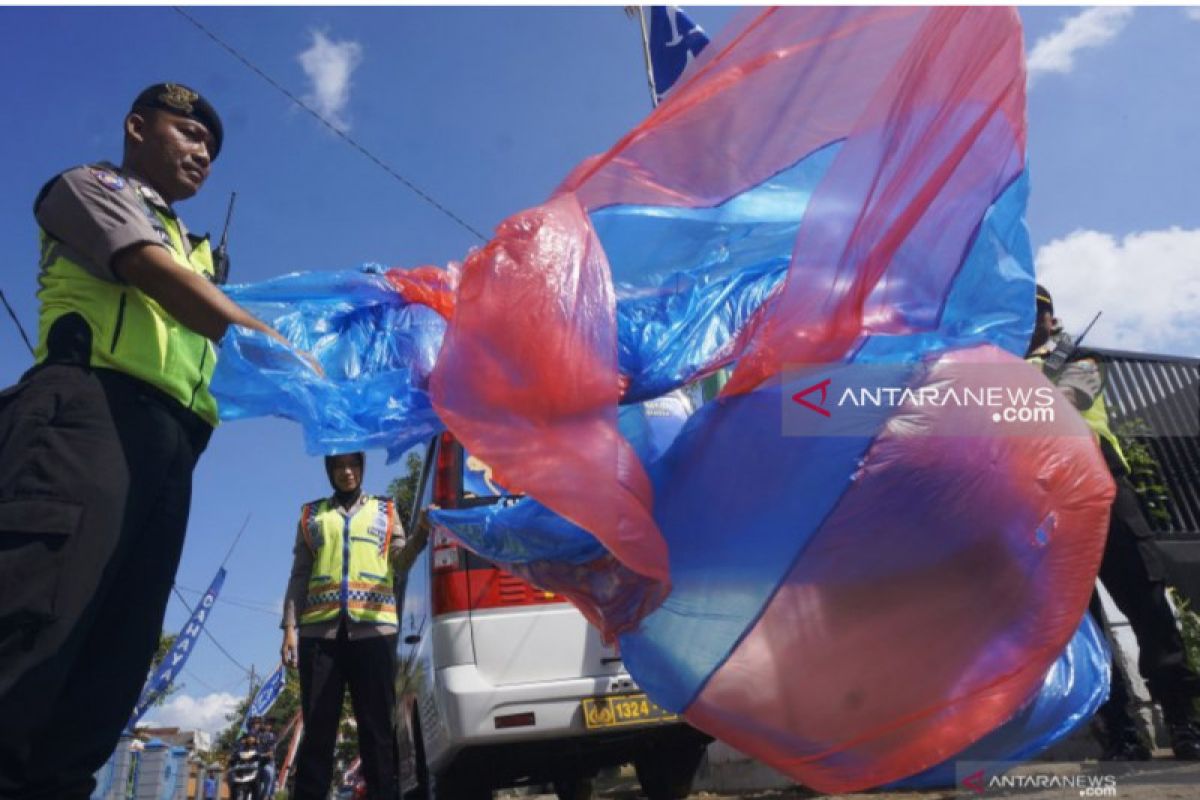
[
  {"x": 99, "y": 439},
  {"x": 1131, "y": 569}
]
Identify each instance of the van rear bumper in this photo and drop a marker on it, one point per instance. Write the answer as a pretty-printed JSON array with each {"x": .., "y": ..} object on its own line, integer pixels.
[{"x": 472, "y": 705}]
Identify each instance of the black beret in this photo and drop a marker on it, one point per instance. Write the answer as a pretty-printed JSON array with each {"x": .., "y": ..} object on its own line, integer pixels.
[{"x": 175, "y": 98}]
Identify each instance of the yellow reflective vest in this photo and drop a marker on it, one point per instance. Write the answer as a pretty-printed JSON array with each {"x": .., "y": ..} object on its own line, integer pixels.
[
  {"x": 131, "y": 333},
  {"x": 1096, "y": 416},
  {"x": 351, "y": 573}
]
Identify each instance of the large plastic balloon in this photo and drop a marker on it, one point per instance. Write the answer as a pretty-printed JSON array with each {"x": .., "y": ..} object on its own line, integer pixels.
[
  {"x": 1071, "y": 693},
  {"x": 832, "y": 198}
]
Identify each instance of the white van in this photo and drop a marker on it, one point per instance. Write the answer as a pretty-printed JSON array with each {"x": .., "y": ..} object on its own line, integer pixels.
[{"x": 503, "y": 685}]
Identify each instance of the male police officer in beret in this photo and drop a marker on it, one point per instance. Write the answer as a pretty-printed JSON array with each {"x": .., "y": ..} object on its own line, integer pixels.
[{"x": 98, "y": 442}]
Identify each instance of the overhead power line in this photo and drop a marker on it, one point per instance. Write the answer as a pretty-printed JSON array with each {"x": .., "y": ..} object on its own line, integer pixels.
[
  {"x": 201, "y": 681},
  {"x": 16, "y": 321},
  {"x": 220, "y": 647},
  {"x": 236, "y": 539},
  {"x": 342, "y": 134},
  {"x": 249, "y": 605}
]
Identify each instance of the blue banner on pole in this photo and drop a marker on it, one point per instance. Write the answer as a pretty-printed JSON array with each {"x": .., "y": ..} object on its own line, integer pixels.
[
  {"x": 266, "y": 696},
  {"x": 185, "y": 642},
  {"x": 674, "y": 40}
]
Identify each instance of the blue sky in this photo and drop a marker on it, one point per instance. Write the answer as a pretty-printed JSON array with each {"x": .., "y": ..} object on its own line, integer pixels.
[{"x": 487, "y": 109}]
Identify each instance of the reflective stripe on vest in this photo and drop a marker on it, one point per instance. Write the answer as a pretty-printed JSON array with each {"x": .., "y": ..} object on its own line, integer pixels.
[
  {"x": 1096, "y": 417},
  {"x": 132, "y": 333},
  {"x": 351, "y": 573}
]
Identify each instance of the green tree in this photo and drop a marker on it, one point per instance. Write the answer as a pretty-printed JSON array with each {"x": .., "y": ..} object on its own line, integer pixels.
[
  {"x": 1189, "y": 628},
  {"x": 404, "y": 487},
  {"x": 165, "y": 642},
  {"x": 1145, "y": 473}
]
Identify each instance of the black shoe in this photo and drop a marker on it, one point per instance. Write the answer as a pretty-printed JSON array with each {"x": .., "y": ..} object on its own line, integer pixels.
[
  {"x": 1185, "y": 740},
  {"x": 1126, "y": 750}
]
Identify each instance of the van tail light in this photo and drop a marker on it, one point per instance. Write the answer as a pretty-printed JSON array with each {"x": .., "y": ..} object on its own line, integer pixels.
[
  {"x": 447, "y": 472},
  {"x": 448, "y": 561},
  {"x": 463, "y": 581}
]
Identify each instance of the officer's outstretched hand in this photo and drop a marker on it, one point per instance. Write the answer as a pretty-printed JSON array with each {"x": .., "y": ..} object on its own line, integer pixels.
[
  {"x": 289, "y": 652},
  {"x": 308, "y": 357}
]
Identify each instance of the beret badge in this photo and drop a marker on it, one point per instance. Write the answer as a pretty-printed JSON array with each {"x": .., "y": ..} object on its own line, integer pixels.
[{"x": 179, "y": 97}]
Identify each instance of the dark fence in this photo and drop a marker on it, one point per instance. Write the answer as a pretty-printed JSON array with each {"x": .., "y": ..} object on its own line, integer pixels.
[{"x": 1154, "y": 401}]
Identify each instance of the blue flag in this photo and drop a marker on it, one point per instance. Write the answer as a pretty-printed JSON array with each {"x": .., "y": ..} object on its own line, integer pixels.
[
  {"x": 266, "y": 696},
  {"x": 674, "y": 40},
  {"x": 185, "y": 642}
]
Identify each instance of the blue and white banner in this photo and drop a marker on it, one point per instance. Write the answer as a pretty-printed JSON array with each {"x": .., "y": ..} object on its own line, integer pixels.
[
  {"x": 266, "y": 696},
  {"x": 185, "y": 642},
  {"x": 674, "y": 41}
]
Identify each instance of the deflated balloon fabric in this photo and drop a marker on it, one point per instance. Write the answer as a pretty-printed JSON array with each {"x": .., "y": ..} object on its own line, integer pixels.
[
  {"x": 376, "y": 348},
  {"x": 530, "y": 540},
  {"x": 922, "y": 606},
  {"x": 827, "y": 189},
  {"x": 1072, "y": 691}
]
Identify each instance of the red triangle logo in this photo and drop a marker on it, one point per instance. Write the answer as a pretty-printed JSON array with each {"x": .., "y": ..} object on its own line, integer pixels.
[{"x": 823, "y": 388}]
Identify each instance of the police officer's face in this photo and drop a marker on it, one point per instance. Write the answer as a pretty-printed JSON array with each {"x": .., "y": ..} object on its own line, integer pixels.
[
  {"x": 1043, "y": 329},
  {"x": 173, "y": 153},
  {"x": 346, "y": 473}
]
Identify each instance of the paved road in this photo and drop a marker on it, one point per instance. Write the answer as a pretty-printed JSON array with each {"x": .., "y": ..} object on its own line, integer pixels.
[{"x": 1162, "y": 779}]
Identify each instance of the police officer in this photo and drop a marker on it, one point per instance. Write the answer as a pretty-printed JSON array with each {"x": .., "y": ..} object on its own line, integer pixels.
[
  {"x": 1131, "y": 569},
  {"x": 341, "y": 622},
  {"x": 98, "y": 442}
]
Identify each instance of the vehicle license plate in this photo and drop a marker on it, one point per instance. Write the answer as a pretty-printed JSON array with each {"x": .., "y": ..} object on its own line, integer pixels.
[{"x": 623, "y": 709}]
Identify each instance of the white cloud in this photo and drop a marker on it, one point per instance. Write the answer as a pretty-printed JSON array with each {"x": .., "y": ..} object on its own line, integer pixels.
[
  {"x": 205, "y": 713},
  {"x": 1092, "y": 27},
  {"x": 1147, "y": 284},
  {"x": 1193, "y": 13},
  {"x": 329, "y": 65}
]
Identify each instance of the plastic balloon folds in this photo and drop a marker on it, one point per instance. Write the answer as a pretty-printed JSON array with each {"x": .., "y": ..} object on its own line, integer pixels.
[
  {"x": 377, "y": 349},
  {"x": 831, "y": 200}
]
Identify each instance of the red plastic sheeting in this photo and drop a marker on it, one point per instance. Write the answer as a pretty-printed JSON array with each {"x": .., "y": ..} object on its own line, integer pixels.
[
  {"x": 931, "y": 105},
  {"x": 928, "y": 607},
  {"x": 527, "y": 379},
  {"x": 939, "y": 140},
  {"x": 429, "y": 286}
]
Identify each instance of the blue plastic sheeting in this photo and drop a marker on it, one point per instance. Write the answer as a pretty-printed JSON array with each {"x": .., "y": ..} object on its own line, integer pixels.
[
  {"x": 989, "y": 298},
  {"x": 521, "y": 530},
  {"x": 376, "y": 349},
  {"x": 688, "y": 279},
  {"x": 730, "y": 457},
  {"x": 728, "y": 549},
  {"x": 1074, "y": 688}
]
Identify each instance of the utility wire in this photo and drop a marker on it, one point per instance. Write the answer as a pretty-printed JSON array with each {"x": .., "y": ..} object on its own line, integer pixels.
[
  {"x": 16, "y": 321},
  {"x": 249, "y": 605},
  {"x": 236, "y": 683},
  {"x": 317, "y": 115},
  {"x": 220, "y": 647},
  {"x": 200, "y": 680},
  {"x": 236, "y": 539}
]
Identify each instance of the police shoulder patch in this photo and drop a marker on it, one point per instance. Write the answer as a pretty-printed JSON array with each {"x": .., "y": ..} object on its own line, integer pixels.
[
  {"x": 109, "y": 180},
  {"x": 151, "y": 195}
]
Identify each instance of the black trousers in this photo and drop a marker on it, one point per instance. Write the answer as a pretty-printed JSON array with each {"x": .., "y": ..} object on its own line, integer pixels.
[
  {"x": 95, "y": 484},
  {"x": 327, "y": 667},
  {"x": 1132, "y": 572}
]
